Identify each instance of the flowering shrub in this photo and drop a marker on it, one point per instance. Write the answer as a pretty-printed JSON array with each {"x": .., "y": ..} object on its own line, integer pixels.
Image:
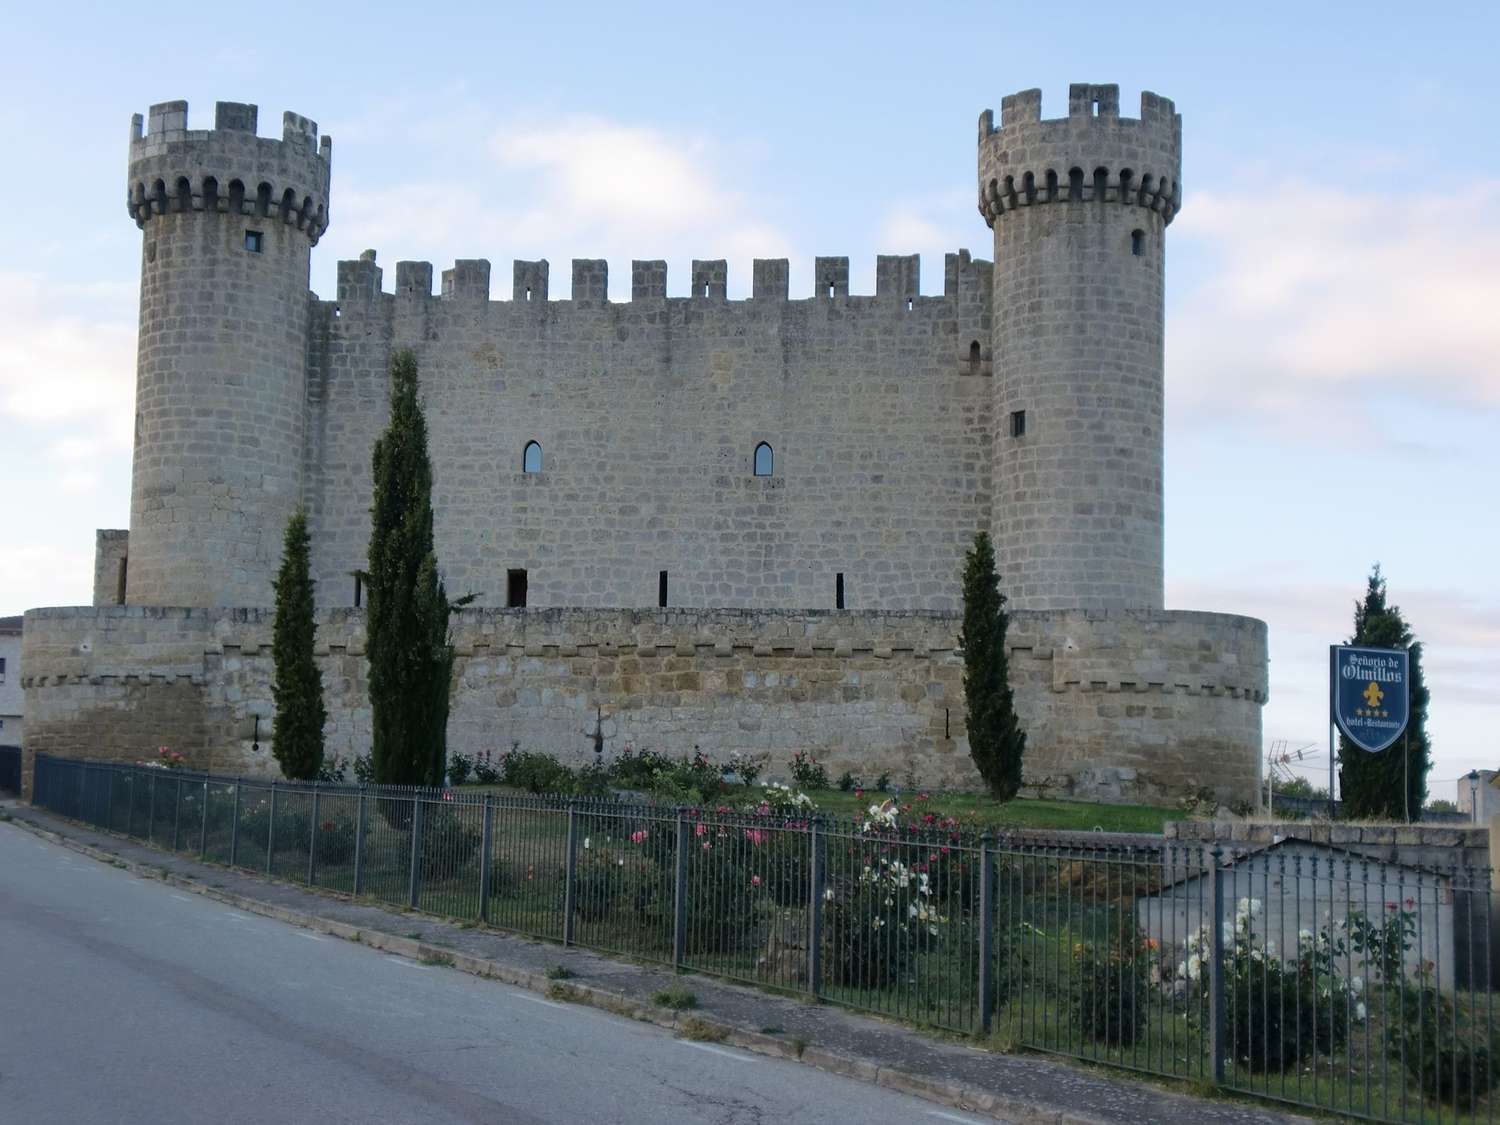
[
  {"x": 720, "y": 889},
  {"x": 1450, "y": 1059},
  {"x": 1109, "y": 994},
  {"x": 1384, "y": 942},
  {"x": 607, "y": 878},
  {"x": 720, "y": 885},
  {"x": 807, "y": 771},
  {"x": 776, "y": 799},
  {"x": 165, "y": 760},
  {"x": 876, "y": 922},
  {"x": 1277, "y": 1012},
  {"x": 332, "y": 771},
  {"x": 534, "y": 772},
  {"x": 336, "y": 841},
  {"x": 460, "y": 766},
  {"x": 779, "y": 848},
  {"x": 448, "y": 842},
  {"x": 746, "y": 767},
  {"x": 638, "y": 769},
  {"x": 485, "y": 771}
]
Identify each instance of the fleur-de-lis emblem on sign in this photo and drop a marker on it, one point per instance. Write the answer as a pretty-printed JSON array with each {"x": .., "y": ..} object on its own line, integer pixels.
[{"x": 1373, "y": 694}]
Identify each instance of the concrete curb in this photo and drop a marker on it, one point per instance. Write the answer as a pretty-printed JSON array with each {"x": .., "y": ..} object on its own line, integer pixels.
[{"x": 687, "y": 1024}]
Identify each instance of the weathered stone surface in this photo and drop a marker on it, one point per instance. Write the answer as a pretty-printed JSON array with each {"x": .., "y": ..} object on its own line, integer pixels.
[
  {"x": 771, "y": 682},
  {"x": 892, "y": 426}
]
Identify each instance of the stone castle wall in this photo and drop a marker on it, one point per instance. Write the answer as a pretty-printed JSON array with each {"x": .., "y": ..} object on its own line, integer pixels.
[
  {"x": 1121, "y": 705},
  {"x": 648, "y": 413}
]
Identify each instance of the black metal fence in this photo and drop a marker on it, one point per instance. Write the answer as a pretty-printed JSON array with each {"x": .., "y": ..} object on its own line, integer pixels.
[
  {"x": 1297, "y": 972},
  {"x": 10, "y": 769}
]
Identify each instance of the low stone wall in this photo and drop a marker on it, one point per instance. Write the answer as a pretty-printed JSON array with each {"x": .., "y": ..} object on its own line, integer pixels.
[
  {"x": 1438, "y": 847},
  {"x": 1117, "y": 705}
]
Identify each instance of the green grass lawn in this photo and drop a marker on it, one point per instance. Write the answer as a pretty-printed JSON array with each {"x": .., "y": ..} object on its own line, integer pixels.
[
  {"x": 982, "y": 811},
  {"x": 975, "y": 810}
]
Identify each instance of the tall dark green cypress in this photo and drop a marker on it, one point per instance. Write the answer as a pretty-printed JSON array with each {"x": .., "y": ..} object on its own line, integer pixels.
[
  {"x": 297, "y": 732},
  {"x": 996, "y": 741},
  {"x": 411, "y": 659},
  {"x": 1372, "y": 784}
]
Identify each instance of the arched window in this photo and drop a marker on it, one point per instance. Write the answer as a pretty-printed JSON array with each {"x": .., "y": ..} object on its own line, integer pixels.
[
  {"x": 531, "y": 460},
  {"x": 764, "y": 460}
]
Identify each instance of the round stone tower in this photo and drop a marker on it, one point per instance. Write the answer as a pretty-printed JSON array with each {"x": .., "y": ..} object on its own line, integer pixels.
[
  {"x": 229, "y": 220},
  {"x": 1079, "y": 207}
]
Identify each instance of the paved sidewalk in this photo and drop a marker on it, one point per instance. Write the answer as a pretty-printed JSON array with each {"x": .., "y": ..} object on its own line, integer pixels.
[{"x": 1015, "y": 1088}]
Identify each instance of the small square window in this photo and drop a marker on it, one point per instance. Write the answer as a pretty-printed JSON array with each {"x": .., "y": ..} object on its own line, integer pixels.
[
  {"x": 1018, "y": 423},
  {"x": 254, "y": 241}
]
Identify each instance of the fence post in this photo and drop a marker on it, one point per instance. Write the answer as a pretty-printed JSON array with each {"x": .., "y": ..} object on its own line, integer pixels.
[
  {"x": 1216, "y": 965},
  {"x": 83, "y": 779},
  {"x": 986, "y": 934},
  {"x": 816, "y": 879},
  {"x": 416, "y": 850},
  {"x": 151, "y": 811},
  {"x": 570, "y": 871},
  {"x": 680, "y": 893},
  {"x": 234, "y": 826},
  {"x": 486, "y": 845},
  {"x": 203, "y": 831},
  {"x": 176, "y": 811},
  {"x": 359, "y": 842},
  {"x": 312, "y": 840},
  {"x": 109, "y": 799},
  {"x": 271, "y": 830}
]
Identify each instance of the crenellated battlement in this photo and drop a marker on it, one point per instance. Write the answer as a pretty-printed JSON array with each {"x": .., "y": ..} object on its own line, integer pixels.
[
  {"x": 1091, "y": 155},
  {"x": 228, "y": 169},
  {"x": 897, "y": 281}
]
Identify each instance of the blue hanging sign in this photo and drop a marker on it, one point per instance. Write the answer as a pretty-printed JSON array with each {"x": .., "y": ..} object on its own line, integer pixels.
[{"x": 1370, "y": 694}]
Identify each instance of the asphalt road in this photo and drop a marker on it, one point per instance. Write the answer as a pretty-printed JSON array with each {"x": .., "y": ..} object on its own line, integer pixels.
[{"x": 123, "y": 1000}]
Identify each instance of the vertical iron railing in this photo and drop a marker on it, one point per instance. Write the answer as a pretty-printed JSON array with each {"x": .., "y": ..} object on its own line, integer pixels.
[{"x": 1358, "y": 984}]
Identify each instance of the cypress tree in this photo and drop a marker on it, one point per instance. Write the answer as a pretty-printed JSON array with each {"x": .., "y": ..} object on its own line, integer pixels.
[
  {"x": 1379, "y": 786},
  {"x": 297, "y": 732},
  {"x": 411, "y": 659},
  {"x": 996, "y": 741}
]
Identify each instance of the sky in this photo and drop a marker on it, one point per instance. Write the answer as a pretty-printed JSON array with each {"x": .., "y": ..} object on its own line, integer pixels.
[{"x": 1333, "y": 314}]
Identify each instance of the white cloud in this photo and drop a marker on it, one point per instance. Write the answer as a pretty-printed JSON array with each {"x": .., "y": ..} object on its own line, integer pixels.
[
  {"x": 67, "y": 357},
  {"x": 933, "y": 226},
  {"x": 35, "y": 574},
  {"x": 1318, "y": 294},
  {"x": 575, "y": 186}
]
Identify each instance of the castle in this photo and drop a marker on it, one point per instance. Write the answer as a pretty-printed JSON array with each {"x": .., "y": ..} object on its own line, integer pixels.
[{"x": 689, "y": 521}]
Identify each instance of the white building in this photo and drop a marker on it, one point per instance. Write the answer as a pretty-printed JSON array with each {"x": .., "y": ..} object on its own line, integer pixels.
[{"x": 10, "y": 681}]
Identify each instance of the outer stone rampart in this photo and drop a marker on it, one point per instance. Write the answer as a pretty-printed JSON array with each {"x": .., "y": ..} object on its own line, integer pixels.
[{"x": 1138, "y": 705}]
